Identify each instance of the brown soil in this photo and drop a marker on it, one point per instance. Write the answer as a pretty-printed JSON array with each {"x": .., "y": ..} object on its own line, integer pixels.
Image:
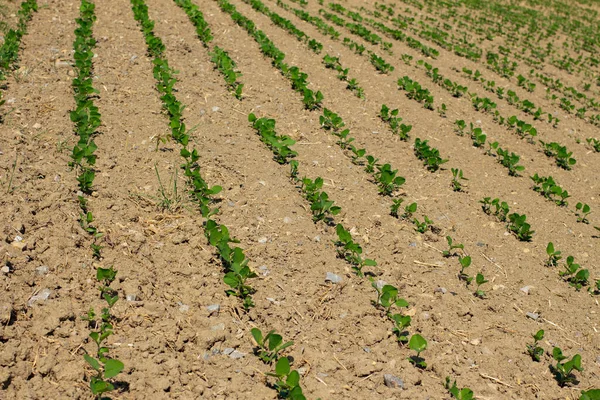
[{"x": 171, "y": 344}]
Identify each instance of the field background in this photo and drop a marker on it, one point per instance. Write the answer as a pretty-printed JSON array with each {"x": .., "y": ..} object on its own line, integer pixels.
[{"x": 172, "y": 345}]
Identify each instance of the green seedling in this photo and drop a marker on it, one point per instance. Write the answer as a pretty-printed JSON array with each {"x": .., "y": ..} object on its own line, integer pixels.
[
  {"x": 357, "y": 155},
  {"x": 510, "y": 161},
  {"x": 518, "y": 226},
  {"x": 560, "y": 153},
  {"x": 548, "y": 188},
  {"x": 294, "y": 170},
  {"x": 269, "y": 346},
  {"x": 500, "y": 210},
  {"x": 592, "y": 394},
  {"x": 396, "y": 204},
  {"x": 595, "y": 143},
  {"x": 387, "y": 297},
  {"x": 478, "y": 137},
  {"x": 321, "y": 207},
  {"x": 351, "y": 251},
  {"x": 227, "y": 66},
  {"x": 479, "y": 280},
  {"x": 574, "y": 274},
  {"x": 429, "y": 155},
  {"x": 442, "y": 110},
  {"x": 457, "y": 177},
  {"x": 422, "y": 227},
  {"x": 387, "y": 180},
  {"x": 458, "y": 394},
  {"x": 533, "y": 349},
  {"x": 288, "y": 380},
  {"x": 553, "y": 256},
  {"x": 583, "y": 210},
  {"x": 371, "y": 164},
  {"x": 418, "y": 344},
  {"x": 409, "y": 210},
  {"x": 465, "y": 262},
  {"x": 452, "y": 247},
  {"x": 563, "y": 371},
  {"x": 460, "y": 127}
]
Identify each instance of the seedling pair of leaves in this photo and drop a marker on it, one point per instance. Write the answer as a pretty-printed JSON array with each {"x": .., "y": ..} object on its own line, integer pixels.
[
  {"x": 408, "y": 210},
  {"x": 583, "y": 210},
  {"x": 519, "y": 227},
  {"x": 288, "y": 380},
  {"x": 548, "y": 188},
  {"x": 457, "y": 177},
  {"x": 269, "y": 345},
  {"x": 280, "y": 145},
  {"x": 387, "y": 297},
  {"x": 321, "y": 206},
  {"x": 560, "y": 153},
  {"x": 387, "y": 179},
  {"x": 451, "y": 247},
  {"x": 574, "y": 274},
  {"x": 391, "y": 117},
  {"x": 554, "y": 256},
  {"x": 564, "y": 371},
  {"x": 510, "y": 161},
  {"x": 424, "y": 226},
  {"x": 533, "y": 349},
  {"x": 459, "y": 394},
  {"x": 429, "y": 155},
  {"x": 500, "y": 210},
  {"x": 351, "y": 251},
  {"x": 227, "y": 66},
  {"x": 418, "y": 344}
]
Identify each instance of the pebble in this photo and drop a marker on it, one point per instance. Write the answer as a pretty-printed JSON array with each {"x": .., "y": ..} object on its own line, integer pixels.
[
  {"x": 218, "y": 327},
  {"x": 227, "y": 351},
  {"x": 213, "y": 308},
  {"x": 441, "y": 290},
  {"x": 231, "y": 203},
  {"x": 333, "y": 278},
  {"x": 5, "y": 269},
  {"x": 215, "y": 109},
  {"x": 6, "y": 312},
  {"x": 262, "y": 240},
  {"x": 475, "y": 342},
  {"x": 287, "y": 220},
  {"x": 237, "y": 355},
  {"x": 480, "y": 244},
  {"x": 37, "y": 125},
  {"x": 183, "y": 307},
  {"x": 366, "y": 349},
  {"x": 413, "y": 244},
  {"x": 264, "y": 270},
  {"x": 43, "y": 295},
  {"x": 393, "y": 381},
  {"x": 131, "y": 297},
  {"x": 317, "y": 238},
  {"x": 526, "y": 289},
  {"x": 380, "y": 284},
  {"x": 598, "y": 360},
  {"x": 41, "y": 270},
  {"x": 533, "y": 316}
]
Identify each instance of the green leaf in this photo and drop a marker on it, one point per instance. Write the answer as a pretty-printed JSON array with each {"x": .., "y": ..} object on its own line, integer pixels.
[
  {"x": 112, "y": 368},
  {"x": 257, "y": 335},
  {"x": 293, "y": 378},
  {"x": 417, "y": 343},
  {"x": 92, "y": 361},
  {"x": 592, "y": 394},
  {"x": 282, "y": 368},
  {"x": 539, "y": 335},
  {"x": 99, "y": 386}
]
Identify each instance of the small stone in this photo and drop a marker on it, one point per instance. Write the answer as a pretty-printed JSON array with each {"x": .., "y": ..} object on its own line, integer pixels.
[
  {"x": 237, "y": 355},
  {"x": 287, "y": 220},
  {"x": 183, "y": 307},
  {"x": 218, "y": 327},
  {"x": 333, "y": 278},
  {"x": 392, "y": 381},
  {"x": 133, "y": 58},
  {"x": 480, "y": 244},
  {"x": 262, "y": 240},
  {"x": 380, "y": 284},
  {"x": 478, "y": 121},
  {"x": 43, "y": 295},
  {"x": 264, "y": 270},
  {"x": 37, "y": 125},
  {"x": 19, "y": 245},
  {"x": 41, "y": 270},
  {"x": 366, "y": 349},
  {"x": 441, "y": 290},
  {"x": 533, "y": 316},
  {"x": 231, "y": 203},
  {"x": 498, "y": 287},
  {"x": 215, "y": 109},
  {"x": 475, "y": 342},
  {"x": 5, "y": 269},
  {"x": 131, "y": 297},
  {"x": 213, "y": 308},
  {"x": 526, "y": 289},
  {"x": 228, "y": 350},
  {"x": 317, "y": 238},
  {"x": 598, "y": 360},
  {"x": 413, "y": 244},
  {"x": 425, "y": 316}
]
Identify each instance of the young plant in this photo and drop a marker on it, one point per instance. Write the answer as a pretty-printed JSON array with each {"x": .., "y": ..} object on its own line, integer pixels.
[
  {"x": 422, "y": 227},
  {"x": 457, "y": 177},
  {"x": 451, "y": 247},
  {"x": 459, "y": 394},
  {"x": 288, "y": 380},
  {"x": 533, "y": 349},
  {"x": 409, "y": 210},
  {"x": 479, "y": 280},
  {"x": 387, "y": 297},
  {"x": 269, "y": 346},
  {"x": 553, "y": 256},
  {"x": 560, "y": 153},
  {"x": 442, "y": 110},
  {"x": 563, "y": 371},
  {"x": 583, "y": 210},
  {"x": 510, "y": 161},
  {"x": 574, "y": 274},
  {"x": 519, "y": 227},
  {"x": 418, "y": 344},
  {"x": 465, "y": 262},
  {"x": 106, "y": 368},
  {"x": 387, "y": 180},
  {"x": 351, "y": 251},
  {"x": 429, "y": 155}
]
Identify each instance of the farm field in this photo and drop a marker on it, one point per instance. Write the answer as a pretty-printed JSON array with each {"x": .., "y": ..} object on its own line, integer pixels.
[{"x": 261, "y": 199}]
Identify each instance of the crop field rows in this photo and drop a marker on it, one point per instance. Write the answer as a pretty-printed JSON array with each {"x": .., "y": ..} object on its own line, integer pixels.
[{"x": 248, "y": 199}]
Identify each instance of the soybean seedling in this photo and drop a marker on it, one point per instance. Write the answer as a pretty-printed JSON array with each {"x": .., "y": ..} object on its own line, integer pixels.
[
  {"x": 592, "y": 394},
  {"x": 409, "y": 210},
  {"x": 396, "y": 204},
  {"x": 422, "y": 227},
  {"x": 574, "y": 274},
  {"x": 269, "y": 346},
  {"x": 583, "y": 210},
  {"x": 465, "y": 262},
  {"x": 553, "y": 256},
  {"x": 418, "y": 344},
  {"x": 563, "y": 372},
  {"x": 451, "y": 247},
  {"x": 533, "y": 349},
  {"x": 457, "y": 176},
  {"x": 479, "y": 280},
  {"x": 459, "y": 394},
  {"x": 288, "y": 380}
]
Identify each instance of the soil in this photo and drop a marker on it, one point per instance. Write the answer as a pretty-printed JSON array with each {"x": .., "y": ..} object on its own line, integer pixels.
[{"x": 173, "y": 344}]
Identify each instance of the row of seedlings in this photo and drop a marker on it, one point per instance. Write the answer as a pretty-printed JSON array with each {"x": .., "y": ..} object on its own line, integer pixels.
[
  {"x": 87, "y": 120},
  {"x": 235, "y": 263}
]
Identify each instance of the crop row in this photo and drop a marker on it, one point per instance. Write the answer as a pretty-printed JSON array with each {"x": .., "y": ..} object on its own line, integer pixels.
[
  {"x": 87, "y": 120},
  {"x": 233, "y": 259}
]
